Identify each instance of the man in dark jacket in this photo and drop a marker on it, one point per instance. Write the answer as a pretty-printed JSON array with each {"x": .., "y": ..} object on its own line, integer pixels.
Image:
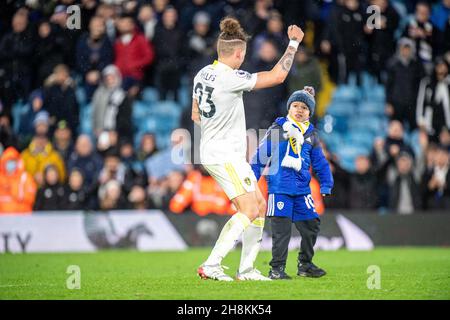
[
  {"x": 289, "y": 157},
  {"x": 169, "y": 45},
  {"x": 94, "y": 52},
  {"x": 16, "y": 51},
  {"x": 381, "y": 40},
  {"x": 404, "y": 74}
]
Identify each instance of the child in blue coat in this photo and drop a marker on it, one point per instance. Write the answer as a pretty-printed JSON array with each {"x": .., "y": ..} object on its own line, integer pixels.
[{"x": 288, "y": 150}]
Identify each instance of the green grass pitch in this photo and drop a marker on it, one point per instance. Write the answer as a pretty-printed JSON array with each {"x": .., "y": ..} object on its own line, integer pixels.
[{"x": 406, "y": 273}]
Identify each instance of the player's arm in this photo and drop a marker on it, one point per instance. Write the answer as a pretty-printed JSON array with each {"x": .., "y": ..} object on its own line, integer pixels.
[
  {"x": 195, "y": 114},
  {"x": 280, "y": 71}
]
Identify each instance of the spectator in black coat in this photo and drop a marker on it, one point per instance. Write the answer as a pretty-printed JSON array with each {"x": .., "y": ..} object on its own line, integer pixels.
[
  {"x": 348, "y": 24},
  {"x": 169, "y": 45},
  {"x": 60, "y": 100},
  {"x": 436, "y": 182},
  {"x": 75, "y": 195},
  {"x": 404, "y": 188},
  {"x": 274, "y": 32},
  {"x": 16, "y": 52},
  {"x": 50, "y": 51},
  {"x": 51, "y": 195},
  {"x": 66, "y": 37},
  {"x": 363, "y": 185},
  {"x": 404, "y": 75},
  {"x": 381, "y": 42},
  {"x": 423, "y": 33},
  {"x": 86, "y": 160},
  {"x": 433, "y": 101},
  {"x": 262, "y": 106},
  {"x": 94, "y": 53}
]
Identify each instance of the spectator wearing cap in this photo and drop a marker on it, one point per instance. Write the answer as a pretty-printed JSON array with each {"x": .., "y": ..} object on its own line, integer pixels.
[
  {"x": 40, "y": 154},
  {"x": 129, "y": 159},
  {"x": 94, "y": 53},
  {"x": 170, "y": 48},
  {"x": 62, "y": 140},
  {"x": 85, "y": 159},
  {"x": 433, "y": 101},
  {"x": 50, "y": 195},
  {"x": 65, "y": 37},
  {"x": 133, "y": 53},
  {"x": 111, "y": 105},
  {"x": 404, "y": 73},
  {"x": 16, "y": 52},
  {"x": 17, "y": 187},
  {"x": 60, "y": 100},
  {"x": 27, "y": 117}
]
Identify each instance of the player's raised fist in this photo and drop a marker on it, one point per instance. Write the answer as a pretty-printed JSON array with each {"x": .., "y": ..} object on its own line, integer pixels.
[{"x": 295, "y": 33}]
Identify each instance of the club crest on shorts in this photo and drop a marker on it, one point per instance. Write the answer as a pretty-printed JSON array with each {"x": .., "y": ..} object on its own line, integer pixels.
[
  {"x": 247, "y": 181},
  {"x": 280, "y": 205}
]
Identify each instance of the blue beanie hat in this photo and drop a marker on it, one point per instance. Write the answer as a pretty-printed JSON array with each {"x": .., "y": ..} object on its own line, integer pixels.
[{"x": 305, "y": 97}]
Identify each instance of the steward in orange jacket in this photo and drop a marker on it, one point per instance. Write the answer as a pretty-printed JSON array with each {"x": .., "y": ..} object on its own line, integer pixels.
[
  {"x": 17, "y": 187},
  {"x": 202, "y": 193}
]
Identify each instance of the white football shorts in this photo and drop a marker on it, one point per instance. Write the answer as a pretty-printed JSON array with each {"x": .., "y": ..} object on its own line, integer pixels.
[{"x": 236, "y": 178}]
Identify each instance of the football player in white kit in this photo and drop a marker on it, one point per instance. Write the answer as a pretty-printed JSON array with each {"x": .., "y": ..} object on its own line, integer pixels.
[{"x": 218, "y": 108}]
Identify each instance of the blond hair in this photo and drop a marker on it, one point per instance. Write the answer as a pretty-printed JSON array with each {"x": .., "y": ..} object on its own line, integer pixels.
[{"x": 231, "y": 37}]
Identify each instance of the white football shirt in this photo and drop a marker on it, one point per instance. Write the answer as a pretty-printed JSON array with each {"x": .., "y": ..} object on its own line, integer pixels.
[{"x": 218, "y": 90}]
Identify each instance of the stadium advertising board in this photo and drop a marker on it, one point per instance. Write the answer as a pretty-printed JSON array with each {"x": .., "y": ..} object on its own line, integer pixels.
[
  {"x": 154, "y": 230},
  {"x": 340, "y": 229},
  {"x": 91, "y": 231}
]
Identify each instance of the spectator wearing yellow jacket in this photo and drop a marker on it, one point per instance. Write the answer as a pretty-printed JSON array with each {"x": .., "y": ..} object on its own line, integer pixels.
[{"x": 39, "y": 154}]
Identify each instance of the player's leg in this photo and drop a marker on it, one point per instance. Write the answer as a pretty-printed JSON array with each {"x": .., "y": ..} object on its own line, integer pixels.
[
  {"x": 252, "y": 236},
  {"x": 279, "y": 212},
  {"x": 307, "y": 223},
  {"x": 245, "y": 202}
]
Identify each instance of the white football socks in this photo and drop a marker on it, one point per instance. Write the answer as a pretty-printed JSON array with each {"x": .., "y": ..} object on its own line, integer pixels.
[
  {"x": 251, "y": 243},
  {"x": 228, "y": 237}
]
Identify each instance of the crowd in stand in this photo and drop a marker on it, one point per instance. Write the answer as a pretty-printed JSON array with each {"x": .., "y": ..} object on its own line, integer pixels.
[{"x": 124, "y": 46}]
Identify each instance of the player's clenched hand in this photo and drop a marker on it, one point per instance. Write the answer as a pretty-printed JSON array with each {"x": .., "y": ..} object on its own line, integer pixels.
[{"x": 295, "y": 33}]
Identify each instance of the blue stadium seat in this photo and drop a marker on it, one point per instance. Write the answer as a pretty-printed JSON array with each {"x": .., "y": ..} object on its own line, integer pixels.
[
  {"x": 150, "y": 94},
  {"x": 141, "y": 110},
  {"x": 375, "y": 93},
  {"x": 371, "y": 109},
  {"x": 80, "y": 95},
  {"x": 86, "y": 119},
  {"x": 341, "y": 108},
  {"x": 347, "y": 93}
]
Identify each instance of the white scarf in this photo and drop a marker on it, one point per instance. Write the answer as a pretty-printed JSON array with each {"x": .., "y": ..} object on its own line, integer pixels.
[{"x": 294, "y": 133}]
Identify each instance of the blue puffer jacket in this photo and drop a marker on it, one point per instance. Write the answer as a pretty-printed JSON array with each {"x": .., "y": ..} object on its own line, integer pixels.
[{"x": 282, "y": 180}]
